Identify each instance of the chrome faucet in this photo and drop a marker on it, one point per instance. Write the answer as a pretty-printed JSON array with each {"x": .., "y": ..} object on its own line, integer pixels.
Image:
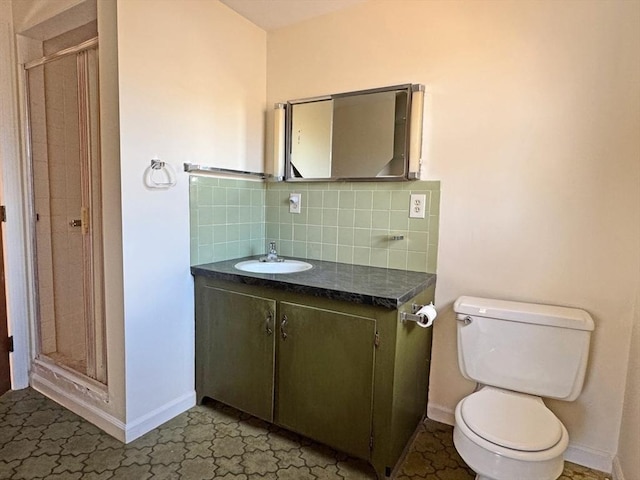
[{"x": 272, "y": 256}]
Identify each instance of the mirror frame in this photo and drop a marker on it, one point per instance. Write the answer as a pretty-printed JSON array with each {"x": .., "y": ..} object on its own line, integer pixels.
[{"x": 412, "y": 142}]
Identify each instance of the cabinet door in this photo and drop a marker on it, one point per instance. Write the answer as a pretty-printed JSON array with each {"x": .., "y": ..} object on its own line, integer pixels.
[
  {"x": 240, "y": 351},
  {"x": 325, "y": 376}
]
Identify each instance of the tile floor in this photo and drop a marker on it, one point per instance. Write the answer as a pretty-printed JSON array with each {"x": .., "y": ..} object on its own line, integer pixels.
[{"x": 41, "y": 440}]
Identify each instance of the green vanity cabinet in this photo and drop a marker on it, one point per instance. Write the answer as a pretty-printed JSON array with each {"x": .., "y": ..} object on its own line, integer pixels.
[
  {"x": 350, "y": 375},
  {"x": 235, "y": 350},
  {"x": 325, "y": 376}
]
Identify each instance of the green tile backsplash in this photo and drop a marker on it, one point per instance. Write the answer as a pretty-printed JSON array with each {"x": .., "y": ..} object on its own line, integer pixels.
[
  {"x": 227, "y": 218},
  {"x": 340, "y": 222}
]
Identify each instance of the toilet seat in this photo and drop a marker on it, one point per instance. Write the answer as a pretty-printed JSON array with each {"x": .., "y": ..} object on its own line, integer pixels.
[{"x": 511, "y": 420}]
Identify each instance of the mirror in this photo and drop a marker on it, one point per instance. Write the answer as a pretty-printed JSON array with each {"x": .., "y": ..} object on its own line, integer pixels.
[{"x": 364, "y": 135}]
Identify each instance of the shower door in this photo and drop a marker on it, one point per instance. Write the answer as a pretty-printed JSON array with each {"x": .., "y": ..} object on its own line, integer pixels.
[{"x": 63, "y": 95}]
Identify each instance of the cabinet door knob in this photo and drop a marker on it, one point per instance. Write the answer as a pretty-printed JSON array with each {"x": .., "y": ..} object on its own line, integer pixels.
[
  {"x": 283, "y": 324},
  {"x": 267, "y": 324}
]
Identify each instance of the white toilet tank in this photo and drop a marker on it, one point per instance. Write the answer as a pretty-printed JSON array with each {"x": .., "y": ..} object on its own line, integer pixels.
[{"x": 536, "y": 349}]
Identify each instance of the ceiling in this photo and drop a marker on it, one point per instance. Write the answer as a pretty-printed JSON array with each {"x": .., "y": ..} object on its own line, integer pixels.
[{"x": 273, "y": 14}]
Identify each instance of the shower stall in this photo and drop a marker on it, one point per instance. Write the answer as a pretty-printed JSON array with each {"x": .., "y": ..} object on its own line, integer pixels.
[{"x": 62, "y": 100}]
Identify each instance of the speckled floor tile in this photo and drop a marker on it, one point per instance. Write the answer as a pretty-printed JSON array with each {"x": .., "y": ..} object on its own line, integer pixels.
[{"x": 41, "y": 440}]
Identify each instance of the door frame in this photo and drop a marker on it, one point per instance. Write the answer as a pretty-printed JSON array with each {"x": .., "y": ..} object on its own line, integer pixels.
[{"x": 5, "y": 357}]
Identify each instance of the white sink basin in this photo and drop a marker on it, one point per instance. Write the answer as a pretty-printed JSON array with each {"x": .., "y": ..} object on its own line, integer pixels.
[{"x": 286, "y": 266}]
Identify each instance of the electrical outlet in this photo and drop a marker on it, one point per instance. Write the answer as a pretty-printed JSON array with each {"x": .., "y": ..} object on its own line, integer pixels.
[
  {"x": 417, "y": 205},
  {"x": 295, "y": 202}
]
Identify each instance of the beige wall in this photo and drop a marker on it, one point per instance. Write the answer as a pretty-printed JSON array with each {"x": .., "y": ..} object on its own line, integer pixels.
[
  {"x": 628, "y": 462},
  {"x": 44, "y": 19},
  {"x": 532, "y": 121}
]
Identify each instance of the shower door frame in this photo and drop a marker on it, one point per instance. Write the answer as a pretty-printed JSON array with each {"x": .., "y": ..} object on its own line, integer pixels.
[{"x": 95, "y": 377}]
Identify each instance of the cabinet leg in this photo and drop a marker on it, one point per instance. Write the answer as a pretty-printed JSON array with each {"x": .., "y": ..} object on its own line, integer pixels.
[{"x": 383, "y": 473}]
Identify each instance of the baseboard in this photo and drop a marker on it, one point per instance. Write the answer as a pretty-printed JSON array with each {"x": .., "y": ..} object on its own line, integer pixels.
[
  {"x": 616, "y": 471},
  {"x": 585, "y": 456},
  {"x": 160, "y": 415},
  {"x": 440, "y": 414},
  {"x": 78, "y": 405},
  {"x": 86, "y": 403},
  {"x": 589, "y": 457}
]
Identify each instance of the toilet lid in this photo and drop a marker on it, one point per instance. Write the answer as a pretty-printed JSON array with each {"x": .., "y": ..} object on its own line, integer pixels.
[{"x": 511, "y": 420}]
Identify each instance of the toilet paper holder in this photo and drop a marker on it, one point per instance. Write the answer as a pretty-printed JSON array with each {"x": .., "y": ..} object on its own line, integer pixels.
[{"x": 412, "y": 317}]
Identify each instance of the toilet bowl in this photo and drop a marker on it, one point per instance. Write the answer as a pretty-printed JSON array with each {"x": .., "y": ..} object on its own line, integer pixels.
[
  {"x": 517, "y": 353},
  {"x": 504, "y": 435}
]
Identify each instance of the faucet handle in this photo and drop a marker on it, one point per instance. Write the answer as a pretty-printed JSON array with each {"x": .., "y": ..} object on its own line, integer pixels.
[{"x": 272, "y": 247}]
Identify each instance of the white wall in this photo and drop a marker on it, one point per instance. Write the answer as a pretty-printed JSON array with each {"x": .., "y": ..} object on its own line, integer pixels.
[
  {"x": 11, "y": 195},
  {"x": 192, "y": 79},
  {"x": 533, "y": 115}
]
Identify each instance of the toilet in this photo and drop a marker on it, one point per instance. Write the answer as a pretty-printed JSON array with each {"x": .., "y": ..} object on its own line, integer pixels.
[{"x": 517, "y": 353}]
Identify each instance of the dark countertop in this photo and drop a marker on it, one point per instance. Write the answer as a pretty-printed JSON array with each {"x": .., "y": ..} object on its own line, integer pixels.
[{"x": 382, "y": 287}]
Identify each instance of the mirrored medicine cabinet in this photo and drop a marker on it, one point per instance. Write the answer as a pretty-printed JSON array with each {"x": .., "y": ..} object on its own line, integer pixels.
[{"x": 367, "y": 135}]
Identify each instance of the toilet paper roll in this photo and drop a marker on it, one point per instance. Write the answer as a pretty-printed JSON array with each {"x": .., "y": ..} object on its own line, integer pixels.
[{"x": 427, "y": 315}]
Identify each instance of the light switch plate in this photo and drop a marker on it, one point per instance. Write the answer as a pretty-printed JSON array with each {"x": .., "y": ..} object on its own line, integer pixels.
[
  {"x": 295, "y": 202},
  {"x": 417, "y": 205}
]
